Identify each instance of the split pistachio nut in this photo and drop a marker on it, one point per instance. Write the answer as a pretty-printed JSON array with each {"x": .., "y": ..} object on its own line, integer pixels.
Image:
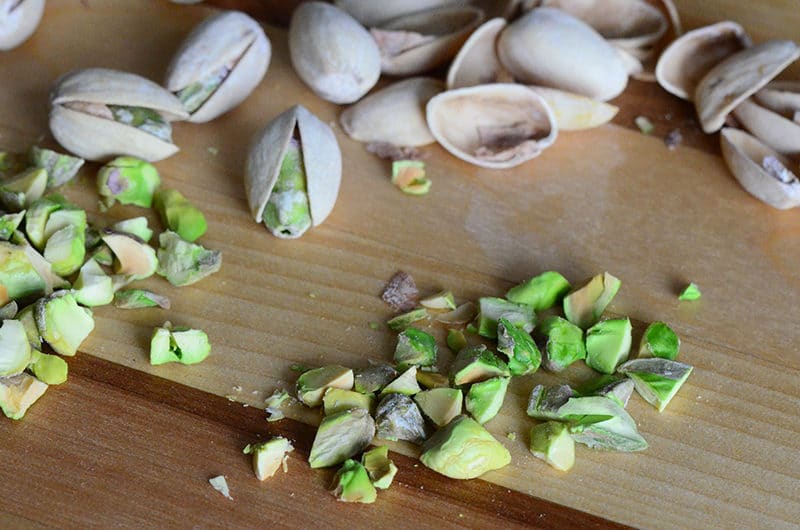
[
  {"x": 601, "y": 423},
  {"x": 493, "y": 309},
  {"x": 373, "y": 378},
  {"x": 136, "y": 226},
  {"x": 49, "y": 369},
  {"x": 564, "y": 345},
  {"x": 476, "y": 363},
  {"x": 19, "y": 279},
  {"x": 18, "y": 21},
  {"x": 485, "y": 398},
  {"x": 415, "y": 347},
  {"x": 269, "y": 456},
  {"x": 552, "y": 442},
  {"x": 341, "y": 436},
  {"x": 406, "y": 383},
  {"x": 352, "y": 484},
  {"x": 23, "y": 189},
  {"x": 183, "y": 263},
  {"x": 62, "y": 323},
  {"x": 401, "y": 322},
  {"x": 93, "y": 286},
  {"x": 18, "y": 393},
  {"x": 61, "y": 168},
  {"x": 178, "y": 345},
  {"x": 608, "y": 343},
  {"x": 134, "y": 258},
  {"x": 97, "y": 114},
  {"x": 380, "y": 468},
  {"x": 540, "y": 292},
  {"x": 585, "y": 306},
  {"x": 397, "y": 417},
  {"x": 336, "y": 400},
  {"x": 463, "y": 449},
  {"x": 440, "y": 405},
  {"x": 545, "y": 401},
  {"x": 293, "y": 172},
  {"x": 657, "y": 380},
  {"x": 218, "y": 65},
  {"x": 15, "y": 350},
  {"x": 312, "y": 384},
  {"x": 659, "y": 340},
  {"x": 516, "y": 344},
  {"x": 127, "y": 180},
  {"x": 612, "y": 386},
  {"x": 179, "y": 215},
  {"x": 9, "y": 222}
]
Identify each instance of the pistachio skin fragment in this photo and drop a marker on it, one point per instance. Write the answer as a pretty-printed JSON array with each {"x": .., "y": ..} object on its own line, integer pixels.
[
  {"x": 516, "y": 344},
  {"x": 401, "y": 322},
  {"x": 565, "y": 343},
  {"x": 659, "y": 340},
  {"x": 475, "y": 364},
  {"x": 352, "y": 484},
  {"x": 657, "y": 380},
  {"x": 544, "y": 401},
  {"x": 456, "y": 340},
  {"x": 552, "y": 443},
  {"x": 128, "y": 180},
  {"x": 397, "y": 417},
  {"x": 540, "y": 292},
  {"x": 690, "y": 293},
  {"x": 139, "y": 298},
  {"x": 484, "y": 399},
  {"x": 380, "y": 468},
  {"x": 183, "y": 263},
  {"x": 312, "y": 384},
  {"x": 492, "y": 309},
  {"x": 585, "y": 306},
  {"x": 373, "y": 378},
  {"x": 18, "y": 393},
  {"x": 340, "y": 437},
  {"x": 179, "y": 215},
  {"x": 463, "y": 449},
  {"x": 269, "y": 456},
  {"x": 601, "y": 423},
  {"x": 415, "y": 347},
  {"x": 608, "y": 343},
  {"x": 287, "y": 213}
]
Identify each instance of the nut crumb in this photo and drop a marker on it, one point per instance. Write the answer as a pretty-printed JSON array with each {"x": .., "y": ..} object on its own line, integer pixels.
[{"x": 401, "y": 292}]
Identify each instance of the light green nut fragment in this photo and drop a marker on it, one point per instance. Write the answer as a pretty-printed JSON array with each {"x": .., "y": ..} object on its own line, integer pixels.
[
  {"x": 552, "y": 443},
  {"x": 415, "y": 347},
  {"x": 440, "y": 405},
  {"x": 691, "y": 292},
  {"x": 134, "y": 258},
  {"x": 380, "y": 468},
  {"x": 401, "y": 322},
  {"x": 179, "y": 215},
  {"x": 15, "y": 350},
  {"x": 273, "y": 405},
  {"x": 24, "y": 189},
  {"x": 484, "y": 399},
  {"x": 28, "y": 320},
  {"x": 540, "y": 292},
  {"x": 269, "y": 456},
  {"x": 60, "y": 168},
  {"x": 463, "y": 450},
  {"x": 144, "y": 119},
  {"x": 585, "y": 306},
  {"x": 657, "y": 380},
  {"x": 93, "y": 286},
  {"x": 430, "y": 379},
  {"x": 456, "y": 340},
  {"x": 564, "y": 345},
  {"x": 62, "y": 323},
  {"x": 475, "y": 364},
  {"x": 183, "y": 263},
  {"x": 341, "y": 436},
  {"x": 373, "y": 378},
  {"x": 493, "y": 309},
  {"x": 287, "y": 213},
  {"x": 9, "y": 222},
  {"x": 37, "y": 215},
  {"x": 406, "y": 384},
  {"x": 608, "y": 343},
  {"x": 49, "y": 279},
  {"x": 18, "y": 393},
  {"x": 139, "y": 298},
  {"x": 409, "y": 176},
  {"x": 18, "y": 277},
  {"x": 523, "y": 355},
  {"x": 66, "y": 215},
  {"x": 103, "y": 255},
  {"x": 443, "y": 300},
  {"x": 397, "y": 417},
  {"x": 49, "y": 369},
  {"x": 9, "y": 311},
  {"x": 601, "y": 423},
  {"x": 127, "y": 180},
  {"x": 312, "y": 384},
  {"x": 352, "y": 484},
  {"x": 136, "y": 226},
  {"x": 545, "y": 401},
  {"x": 65, "y": 250},
  {"x": 659, "y": 341},
  {"x": 612, "y": 386},
  {"x": 178, "y": 345},
  {"x": 337, "y": 400}
]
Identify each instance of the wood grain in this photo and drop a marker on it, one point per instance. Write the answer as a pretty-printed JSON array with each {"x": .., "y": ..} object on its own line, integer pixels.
[{"x": 721, "y": 455}]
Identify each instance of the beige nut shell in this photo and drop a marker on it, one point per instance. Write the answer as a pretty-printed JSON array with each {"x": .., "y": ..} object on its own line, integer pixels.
[
  {"x": 17, "y": 25},
  {"x": 476, "y": 62}
]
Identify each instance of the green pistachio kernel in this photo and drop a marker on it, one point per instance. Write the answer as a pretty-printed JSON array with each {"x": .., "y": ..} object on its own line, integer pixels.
[
  {"x": 288, "y": 213},
  {"x": 401, "y": 322},
  {"x": 564, "y": 345},
  {"x": 476, "y": 363},
  {"x": 60, "y": 168},
  {"x": 373, "y": 378},
  {"x": 657, "y": 380},
  {"x": 139, "y": 298},
  {"x": 659, "y": 341},
  {"x": 493, "y": 309},
  {"x": 406, "y": 383},
  {"x": 397, "y": 417},
  {"x": 194, "y": 95},
  {"x": 456, "y": 340},
  {"x": 430, "y": 379},
  {"x": 463, "y": 449},
  {"x": 179, "y": 215},
  {"x": 127, "y": 180},
  {"x": 552, "y": 442},
  {"x": 336, "y": 400},
  {"x": 440, "y": 405},
  {"x": 178, "y": 345},
  {"x": 380, "y": 468},
  {"x": 541, "y": 292},
  {"x": 9, "y": 223},
  {"x": 19, "y": 279},
  {"x": 691, "y": 292},
  {"x": 93, "y": 286},
  {"x": 602, "y": 423},
  {"x": 62, "y": 323},
  {"x": 183, "y": 263},
  {"x": 352, "y": 484},
  {"x": 523, "y": 355},
  {"x": 144, "y": 119},
  {"x": 545, "y": 401},
  {"x": 341, "y": 436},
  {"x": 136, "y": 226},
  {"x": 37, "y": 215},
  {"x": 49, "y": 369},
  {"x": 608, "y": 343},
  {"x": 18, "y": 393},
  {"x": 484, "y": 399},
  {"x": 615, "y": 387},
  {"x": 269, "y": 456},
  {"x": 415, "y": 347},
  {"x": 312, "y": 384},
  {"x": 585, "y": 306}
]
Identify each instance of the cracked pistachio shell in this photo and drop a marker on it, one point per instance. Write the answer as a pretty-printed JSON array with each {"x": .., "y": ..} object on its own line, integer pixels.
[
  {"x": 18, "y": 21},
  {"x": 493, "y": 126},
  {"x": 393, "y": 115},
  {"x": 230, "y": 37},
  {"x": 322, "y": 160},
  {"x": 552, "y": 48},
  {"x": 778, "y": 132},
  {"x": 95, "y": 138},
  {"x": 372, "y": 13},
  {"x": 332, "y": 53},
  {"x": 476, "y": 62}
]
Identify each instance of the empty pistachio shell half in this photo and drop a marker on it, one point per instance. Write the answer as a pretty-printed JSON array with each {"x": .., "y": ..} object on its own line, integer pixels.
[
  {"x": 691, "y": 56},
  {"x": 552, "y": 48},
  {"x": 393, "y": 115},
  {"x": 477, "y": 62},
  {"x": 98, "y": 114},
  {"x": 782, "y": 97},
  {"x": 18, "y": 20},
  {"x": 372, "y": 13},
  {"x": 494, "y": 126},
  {"x": 574, "y": 112},
  {"x": 320, "y": 157},
  {"x": 417, "y": 42},
  {"x": 739, "y": 77},
  {"x": 777, "y": 131},
  {"x": 218, "y": 65},
  {"x": 332, "y": 53},
  {"x": 761, "y": 171}
]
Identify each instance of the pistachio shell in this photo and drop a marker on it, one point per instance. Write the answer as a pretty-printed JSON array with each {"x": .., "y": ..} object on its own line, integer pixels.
[
  {"x": 18, "y": 21},
  {"x": 477, "y": 62},
  {"x": 574, "y": 112},
  {"x": 332, "y": 53},
  {"x": 691, "y": 56},
  {"x": 393, "y": 115},
  {"x": 494, "y": 126},
  {"x": 374, "y": 13},
  {"x": 321, "y": 157},
  {"x": 230, "y": 37},
  {"x": 778, "y": 132},
  {"x": 552, "y": 48},
  {"x": 745, "y": 155},
  {"x": 441, "y": 31},
  {"x": 738, "y": 77},
  {"x": 782, "y": 97}
]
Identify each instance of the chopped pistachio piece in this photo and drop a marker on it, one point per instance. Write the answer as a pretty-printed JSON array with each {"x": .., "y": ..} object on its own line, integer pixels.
[
  {"x": 691, "y": 292},
  {"x": 341, "y": 436},
  {"x": 139, "y": 298},
  {"x": 380, "y": 468},
  {"x": 127, "y": 180},
  {"x": 540, "y": 292},
  {"x": 144, "y": 119},
  {"x": 608, "y": 343},
  {"x": 440, "y": 405},
  {"x": 406, "y": 383},
  {"x": 552, "y": 443},
  {"x": 179, "y": 215},
  {"x": 430, "y": 379},
  {"x": 397, "y": 417},
  {"x": 18, "y": 393},
  {"x": 659, "y": 341},
  {"x": 60, "y": 168},
  {"x": 66, "y": 215},
  {"x": 62, "y": 323},
  {"x": 269, "y": 456},
  {"x": 9, "y": 222},
  {"x": 311, "y": 385},
  {"x": 18, "y": 277},
  {"x": 585, "y": 306},
  {"x": 136, "y": 226},
  {"x": 24, "y": 189},
  {"x": 415, "y": 347},
  {"x": 373, "y": 378},
  {"x": 183, "y": 263},
  {"x": 602, "y": 423},
  {"x": 65, "y": 250},
  {"x": 401, "y": 322},
  {"x": 103, "y": 255},
  {"x": 9, "y": 311},
  {"x": 15, "y": 350},
  {"x": 484, "y": 399},
  {"x": 352, "y": 484},
  {"x": 456, "y": 340},
  {"x": 221, "y": 485},
  {"x": 273, "y": 405},
  {"x": 49, "y": 369},
  {"x": 178, "y": 345},
  {"x": 443, "y": 300},
  {"x": 49, "y": 279},
  {"x": 644, "y": 124},
  {"x": 545, "y": 401},
  {"x": 288, "y": 213},
  {"x": 93, "y": 286},
  {"x": 523, "y": 355},
  {"x": 493, "y": 309},
  {"x": 37, "y": 215},
  {"x": 476, "y": 363},
  {"x": 564, "y": 345},
  {"x": 458, "y": 316},
  {"x": 612, "y": 386},
  {"x": 409, "y": 176},
  {"x": 135, "y": 258},
  {"x": 336, "y": 400},
  {"x": 657, "y": 380},
  {"x": 28, "y": 320},
  {"x": 463, "y": 449}
]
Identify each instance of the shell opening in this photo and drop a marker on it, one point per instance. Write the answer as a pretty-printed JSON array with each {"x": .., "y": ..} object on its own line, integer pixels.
[
  {"x": 287, "y": 214},
  {"x": 778, "y": 171},
  {"x": 142, "y": 118}
]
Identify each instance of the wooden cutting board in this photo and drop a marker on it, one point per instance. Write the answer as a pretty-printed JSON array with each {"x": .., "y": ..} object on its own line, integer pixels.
[{"x": 723, "y": 454}]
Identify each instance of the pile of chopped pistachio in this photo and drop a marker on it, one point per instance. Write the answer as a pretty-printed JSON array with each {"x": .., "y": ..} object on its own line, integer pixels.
[{"x": 55, "y": 266}]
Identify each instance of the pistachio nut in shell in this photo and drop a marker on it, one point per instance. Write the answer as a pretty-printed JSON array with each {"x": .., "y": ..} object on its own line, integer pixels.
[
  {"x": 372, "y": 13},
  {"x": 777, "y": 131},
  {"x": 321, "y": 159},
  {"x": 18, "y": 20},
  {"x": 691, "y": 56},
  {"x": 747, "y": 157},
  {"x": 218, "y": 65},
  {"x": 332, "y": 53},
  {"x": 97, "y": 114},
  {"x": 494, "y": 126},
  {"x": 738, "y": 77},
  {"x": 393, "y": 115},
  {"x": 418, "y": 42},
  {"x": 476, "y": 62},
  {"x": 552, "y": 48}
]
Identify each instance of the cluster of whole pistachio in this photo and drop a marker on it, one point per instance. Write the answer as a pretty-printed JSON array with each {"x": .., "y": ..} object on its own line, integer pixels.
[{"x": 730, "y": 82}]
